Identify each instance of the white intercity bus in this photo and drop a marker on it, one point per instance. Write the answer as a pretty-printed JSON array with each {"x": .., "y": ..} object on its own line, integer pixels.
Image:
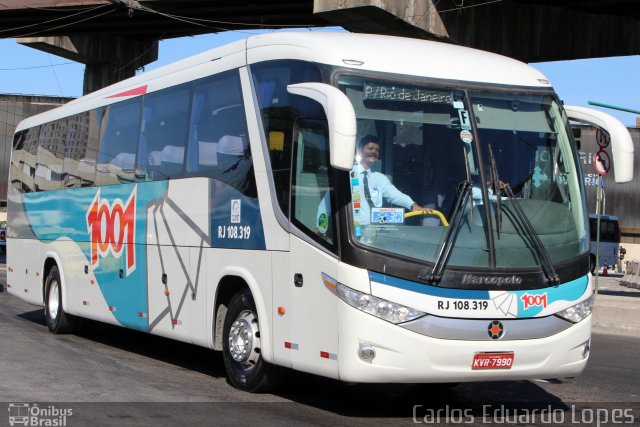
[{"x": 218, "y": 201}]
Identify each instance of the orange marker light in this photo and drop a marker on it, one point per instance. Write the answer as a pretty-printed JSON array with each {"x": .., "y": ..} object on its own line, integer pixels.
[
  {"x": 167, "y": 292},
  {"x": 281, "y": 311}
]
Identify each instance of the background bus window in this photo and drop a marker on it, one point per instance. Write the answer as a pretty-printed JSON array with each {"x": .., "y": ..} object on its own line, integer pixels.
[
  {"x": 49, "y": 160},
  {"x": 119, "y": 136},
  {"x": 164, "y": 134}
]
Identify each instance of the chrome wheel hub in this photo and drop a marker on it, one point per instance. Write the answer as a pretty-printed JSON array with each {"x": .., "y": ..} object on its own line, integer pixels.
[
  {"x": 244, "y": 340},
  {"x": 53, "y": 302}
]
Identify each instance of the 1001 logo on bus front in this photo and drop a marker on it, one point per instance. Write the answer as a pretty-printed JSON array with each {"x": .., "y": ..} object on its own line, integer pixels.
[{"x": 112, "y": 229}]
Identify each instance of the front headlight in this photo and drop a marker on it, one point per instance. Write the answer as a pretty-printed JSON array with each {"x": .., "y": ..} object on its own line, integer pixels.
[
  {"x": 378, "y": 307},
  {"x": 579, "y": 311}
]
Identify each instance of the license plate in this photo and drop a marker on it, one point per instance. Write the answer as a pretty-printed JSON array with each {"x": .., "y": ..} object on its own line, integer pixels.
[{"x": 492, "y": 361}]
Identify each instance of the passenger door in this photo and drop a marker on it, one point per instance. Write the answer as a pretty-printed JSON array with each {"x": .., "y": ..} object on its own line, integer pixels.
[{"x": 313, "y": 260}]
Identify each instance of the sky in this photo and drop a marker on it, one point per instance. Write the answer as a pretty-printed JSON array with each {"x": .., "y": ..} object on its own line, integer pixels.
[{"x": 612, "y": 81}]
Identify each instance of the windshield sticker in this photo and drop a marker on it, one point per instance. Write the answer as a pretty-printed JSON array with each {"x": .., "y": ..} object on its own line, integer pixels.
[
  {"x": 387, "y": 215},
  {"x": 466, "y": 136},
  {"x": 235, "y": 210},
  {"x": 465, "y": 120}
]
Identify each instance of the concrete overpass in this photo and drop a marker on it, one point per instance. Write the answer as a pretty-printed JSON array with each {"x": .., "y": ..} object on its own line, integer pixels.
[{"x": 115, "y": 37}]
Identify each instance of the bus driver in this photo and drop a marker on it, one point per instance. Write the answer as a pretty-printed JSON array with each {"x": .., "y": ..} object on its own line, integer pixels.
[{"x": 374, "y": 187}]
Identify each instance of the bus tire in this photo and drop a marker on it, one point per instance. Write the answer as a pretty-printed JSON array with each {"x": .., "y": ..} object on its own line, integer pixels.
[
  {"x": 241, "y": 351},
  {"x": 58, "y": 321}
]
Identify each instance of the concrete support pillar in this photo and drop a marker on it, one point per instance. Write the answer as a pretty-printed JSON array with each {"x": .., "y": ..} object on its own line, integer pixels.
[{"x": 108, "y": 59}]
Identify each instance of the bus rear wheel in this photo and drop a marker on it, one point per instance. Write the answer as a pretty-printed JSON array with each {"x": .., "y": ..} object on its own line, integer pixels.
[
  {"x": 241, "y": 348},
  {"x": 58, "y": 321}
]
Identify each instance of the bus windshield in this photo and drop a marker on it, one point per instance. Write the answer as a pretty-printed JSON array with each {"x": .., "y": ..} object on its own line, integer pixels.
[{"x": 431, "y": 141}]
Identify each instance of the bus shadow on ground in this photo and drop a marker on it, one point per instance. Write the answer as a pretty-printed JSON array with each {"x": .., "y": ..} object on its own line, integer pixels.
[
  {"x": 423, "y": 402},
  {"x": 346, "y": 399},
  {"x": 183, "y": 355}
]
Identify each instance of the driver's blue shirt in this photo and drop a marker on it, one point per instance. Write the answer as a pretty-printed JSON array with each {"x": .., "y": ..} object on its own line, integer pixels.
[{"x": 381, "y": 190}]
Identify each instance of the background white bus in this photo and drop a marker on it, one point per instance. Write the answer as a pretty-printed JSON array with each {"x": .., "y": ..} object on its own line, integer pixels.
[
  {"x": 609, "y": 240},
  {"x": 216, "y": 201}
]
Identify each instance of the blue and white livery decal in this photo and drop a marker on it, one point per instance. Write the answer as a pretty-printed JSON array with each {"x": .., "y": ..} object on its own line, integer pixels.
[
  {"x": 118, "y": 230},
  {"x": 480, "y": 304}
]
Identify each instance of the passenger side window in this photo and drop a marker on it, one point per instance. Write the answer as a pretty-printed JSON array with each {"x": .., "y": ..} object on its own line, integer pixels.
[
  {"x": 79, "y": 168},
  {"x": 218, "y": 140},
  {"x": 312, "y": 192},
  {"x": 280, "y": 110},
  {"x": 164, "y": 134},
  {"x": 49, "y": 160},
  {"x": 119, "y": 137}
]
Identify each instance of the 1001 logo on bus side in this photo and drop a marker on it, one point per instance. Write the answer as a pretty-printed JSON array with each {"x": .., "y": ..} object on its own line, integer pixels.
[{"x": 112, "y": 229}]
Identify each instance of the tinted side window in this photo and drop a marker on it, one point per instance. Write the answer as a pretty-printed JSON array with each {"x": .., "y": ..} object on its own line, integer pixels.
[
  {"x": 279, "y": 112},
  {"x": 119, "y": 140},
  {"x": 219, "y": 144},
  {"x": 79, "y": 168},
  {"x": 49, "y": 159},
  {"x": 19, "y": 171},
  {"x": 164, "y": 134},
  {"x": 311, "y": 198}
]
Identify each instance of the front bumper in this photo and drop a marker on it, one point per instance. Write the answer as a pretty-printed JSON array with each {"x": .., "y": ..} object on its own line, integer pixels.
[{"x": 404, "y": 356}]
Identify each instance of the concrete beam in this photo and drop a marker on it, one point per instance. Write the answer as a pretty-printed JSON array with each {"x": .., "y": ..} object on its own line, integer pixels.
[
  {"x": 108, "y": 59},
  {"x": 536, "y": 33},
  {"x": 525, "y": 31},
  {"x": 408, "y": 18}
]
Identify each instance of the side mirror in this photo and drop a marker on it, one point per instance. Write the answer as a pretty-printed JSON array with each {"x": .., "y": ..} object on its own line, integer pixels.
[
  {"x": 621, "y": 142},
  {"x": 341, "y": 120}
]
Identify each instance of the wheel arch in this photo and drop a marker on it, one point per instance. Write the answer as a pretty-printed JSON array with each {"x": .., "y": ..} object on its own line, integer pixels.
[{"x": 232, "y": 281}]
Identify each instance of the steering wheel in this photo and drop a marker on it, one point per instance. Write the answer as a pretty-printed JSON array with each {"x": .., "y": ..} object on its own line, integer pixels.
[{"x": 427, "y": 211}]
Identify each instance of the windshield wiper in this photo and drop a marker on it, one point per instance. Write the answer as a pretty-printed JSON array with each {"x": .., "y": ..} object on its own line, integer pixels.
[
  {"x": 450, "y": 237},
  {"x": 495, "y": 186},
  {"x": 538, "y": 246}
]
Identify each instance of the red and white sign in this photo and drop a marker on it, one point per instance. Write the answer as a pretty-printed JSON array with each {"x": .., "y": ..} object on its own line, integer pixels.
[
  {"x": 602, "y": 138},
  {"x": 112, "y": 229},
  {"x": 602, "y": 162},
  {"x": 466, "y": 136}
]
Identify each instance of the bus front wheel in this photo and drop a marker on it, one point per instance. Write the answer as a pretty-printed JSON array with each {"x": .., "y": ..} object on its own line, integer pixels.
[
  {"x": 58, "y": 321},
  {"x": 241, "y": 348}
]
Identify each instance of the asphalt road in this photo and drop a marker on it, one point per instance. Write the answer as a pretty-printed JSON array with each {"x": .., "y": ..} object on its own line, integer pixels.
[{"x": 113, "y": 376}]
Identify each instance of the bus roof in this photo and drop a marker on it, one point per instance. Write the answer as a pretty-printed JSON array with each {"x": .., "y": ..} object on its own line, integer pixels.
[
  {"x": 358, "y": 51},
  {"x": 604, "y": 217}
]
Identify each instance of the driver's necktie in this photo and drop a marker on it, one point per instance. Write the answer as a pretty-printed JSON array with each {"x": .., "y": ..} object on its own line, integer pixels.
[{"x": 367, "y": 193}]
